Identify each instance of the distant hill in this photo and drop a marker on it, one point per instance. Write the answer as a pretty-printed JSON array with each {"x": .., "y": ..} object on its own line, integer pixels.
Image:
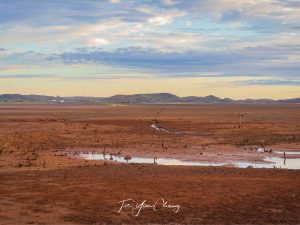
[
  {"x": 24, "y": 98},
  {"x": 144, "y": 98},
  {"x": 157, "y": 98}
]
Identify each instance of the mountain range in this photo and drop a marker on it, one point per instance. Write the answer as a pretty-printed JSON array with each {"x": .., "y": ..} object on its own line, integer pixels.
[{"x": 156, "y": 98}]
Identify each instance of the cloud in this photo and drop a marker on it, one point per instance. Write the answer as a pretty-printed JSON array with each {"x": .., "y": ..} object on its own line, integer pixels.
[
  {"x": 61, "y": 12},
  {"x": 168, "y": 2},
  {"x": 272, "y": 82},
  {"x": 267, "y": 61},
  {"x": 97, "y": 42},
  {"x": 290, "y": 3},
  {"x": 137, "y": 23},
  {"x": 160, "y": 20},
  {"x": 99, "y": 76},
  {"x": 115, "y": 1},
  {"x": 27, "y": 76},
  {"x": 231, "y": 15}
]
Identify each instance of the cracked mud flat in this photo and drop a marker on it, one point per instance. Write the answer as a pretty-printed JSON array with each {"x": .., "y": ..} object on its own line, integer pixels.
[{"x": 38, "y": 187}]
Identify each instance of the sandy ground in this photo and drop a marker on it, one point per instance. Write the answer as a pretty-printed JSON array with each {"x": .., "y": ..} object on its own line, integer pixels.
[{"x": 38, "y": 187}]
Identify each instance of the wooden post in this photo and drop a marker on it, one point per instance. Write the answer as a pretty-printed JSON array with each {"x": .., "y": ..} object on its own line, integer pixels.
[{"x": 241, "y": 118}]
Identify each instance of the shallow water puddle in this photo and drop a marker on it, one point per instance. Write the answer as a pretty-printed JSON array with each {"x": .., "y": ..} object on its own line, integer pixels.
[
  {"x": 160, "y": 161},
  {"x": 156, "y": 127},
  {"x": 274, "y": 162},
  {"x": 290, "y": 163},
  {"x": 287, "y": 153},
  {"x": 270, "y": 162}
]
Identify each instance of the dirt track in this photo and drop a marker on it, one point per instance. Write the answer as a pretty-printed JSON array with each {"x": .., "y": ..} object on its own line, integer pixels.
[{"x": 39, "y": 188}]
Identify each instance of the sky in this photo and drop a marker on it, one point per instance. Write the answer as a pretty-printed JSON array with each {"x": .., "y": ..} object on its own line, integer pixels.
[{"x": 228, "y": 48}]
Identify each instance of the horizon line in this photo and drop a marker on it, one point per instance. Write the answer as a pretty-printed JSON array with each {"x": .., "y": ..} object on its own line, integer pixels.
[{"x": 154, "y": 93}]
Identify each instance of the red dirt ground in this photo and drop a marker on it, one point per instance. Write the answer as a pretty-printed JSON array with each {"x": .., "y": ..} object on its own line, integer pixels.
[{"x": 40, "y": 188}]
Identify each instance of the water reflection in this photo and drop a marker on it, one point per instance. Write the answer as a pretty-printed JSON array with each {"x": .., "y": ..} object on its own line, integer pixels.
[
  {"x": 287, "y": 152},
  {"x": 270, "y": 162},
  {"x": 288, "y": 163}
]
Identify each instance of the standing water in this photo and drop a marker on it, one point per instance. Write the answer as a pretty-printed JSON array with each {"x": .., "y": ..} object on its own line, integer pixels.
[{"x": 270, "y": 162}]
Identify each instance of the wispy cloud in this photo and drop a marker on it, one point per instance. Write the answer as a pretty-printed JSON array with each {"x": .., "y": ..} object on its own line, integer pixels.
[
  {"x": 257, "y": 61},
  {"x": 102, "y": 76},
  {"x": 270, "y": 82}
]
